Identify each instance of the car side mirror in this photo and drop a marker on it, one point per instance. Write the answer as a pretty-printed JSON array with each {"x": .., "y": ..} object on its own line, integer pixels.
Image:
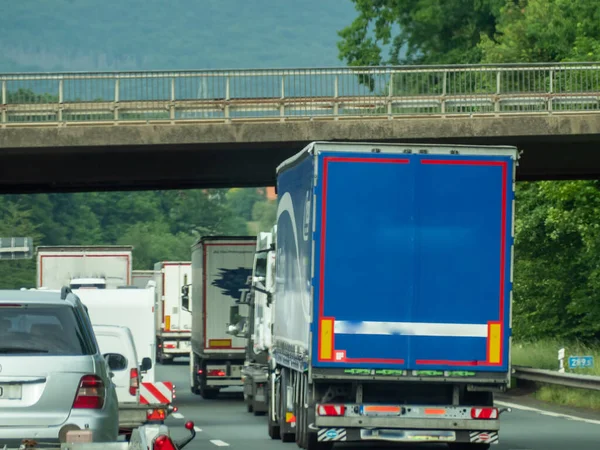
[
  {"x": 115, "y": 361},
  {"x": 146, "y": 364}
]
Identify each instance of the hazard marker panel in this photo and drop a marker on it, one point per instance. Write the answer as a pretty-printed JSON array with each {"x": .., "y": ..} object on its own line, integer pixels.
[{"x": 160, "y": 392}]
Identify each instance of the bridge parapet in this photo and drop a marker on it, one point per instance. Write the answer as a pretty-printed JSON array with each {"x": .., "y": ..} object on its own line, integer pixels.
[{"x": 58, "y": 99}]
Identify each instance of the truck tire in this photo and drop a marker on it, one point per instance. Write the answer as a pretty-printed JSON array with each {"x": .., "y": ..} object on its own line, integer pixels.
[
  {"x": 209, "y": 394},
  {"x": 195, "y": 386},
  {"x": 307, "y": 416},
  {"x": 283, "y": 385},
  {"x": 273, "y": 427},
  {"x": 249, "y": 406}
]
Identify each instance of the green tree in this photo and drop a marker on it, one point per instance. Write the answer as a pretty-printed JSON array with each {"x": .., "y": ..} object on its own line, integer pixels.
[
  {"x": 429, "y": 31},
  {"x": 241, "y": 201},
  {"x": 15, "y": 221},
  {"x": 153, "y": 242},
  {"x": 544, "y": 31},
  {"x": 265, "y": 213}
]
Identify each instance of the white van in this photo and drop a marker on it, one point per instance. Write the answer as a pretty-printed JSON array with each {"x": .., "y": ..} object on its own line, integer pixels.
[{"x": 117, "y": 346}]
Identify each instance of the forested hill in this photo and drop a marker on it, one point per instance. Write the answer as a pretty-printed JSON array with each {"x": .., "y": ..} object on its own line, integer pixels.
[{"x": 41, "y": 35}]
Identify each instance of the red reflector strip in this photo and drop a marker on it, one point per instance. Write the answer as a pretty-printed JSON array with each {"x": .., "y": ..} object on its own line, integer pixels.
[
  {"x": 216, "y": 373},
  {"x": 435, "y": 411},
  {"x": 484, "y": 413},
  {"x": 331, "y": 410},
  {"x": 384, "y": 409}
]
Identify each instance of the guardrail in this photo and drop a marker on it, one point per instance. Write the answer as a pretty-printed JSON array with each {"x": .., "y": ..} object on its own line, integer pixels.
[
  {"x": 289, "y": 94},
  {"x": 557, "y": 378}
]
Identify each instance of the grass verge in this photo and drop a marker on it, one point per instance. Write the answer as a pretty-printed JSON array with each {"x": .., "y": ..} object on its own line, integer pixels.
[{"x": 544, "y": 355}]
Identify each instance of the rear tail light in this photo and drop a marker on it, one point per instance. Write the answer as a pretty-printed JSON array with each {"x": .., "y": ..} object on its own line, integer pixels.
[
  {"x": 331, "y": 410},
  {"x": 216, "y": 373},
  {"x": 484, "y": 413},
  {"x": 134, "y": 381},
  {"x": 170, "y": 346},
  {"x": 90, "y": 394},
  {"x": 163, "y": 442},
  {"x": 156, "y": 414}
]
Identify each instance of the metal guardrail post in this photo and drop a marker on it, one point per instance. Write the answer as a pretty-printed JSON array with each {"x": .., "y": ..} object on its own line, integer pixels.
[
  {"x": 282, "y": 104},
  {"x": 557, "y": 378},
  {"x": 3, "y": 102},
  {"x": 227, "y": 98},
  {"x": 61, "y": 99},
  {"x": 116, "y": 100}
]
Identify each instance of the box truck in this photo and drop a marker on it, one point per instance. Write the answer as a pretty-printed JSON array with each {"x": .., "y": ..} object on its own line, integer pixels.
[
  {"x": 221, "y": 268},
  {"x": 393, "y": 294},
  {"x": 260, "y": 319},
  {"x": 140, "y": 278},
  {"x": 84, "y": 266},
  {"x": 173, "y": 322}
]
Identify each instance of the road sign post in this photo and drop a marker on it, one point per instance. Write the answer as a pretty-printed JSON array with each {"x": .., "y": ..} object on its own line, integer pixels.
[
  {"x": 561, "y": 360},
  {"x": 16, "y": 248},
  {"x": 581, "y": 362}
]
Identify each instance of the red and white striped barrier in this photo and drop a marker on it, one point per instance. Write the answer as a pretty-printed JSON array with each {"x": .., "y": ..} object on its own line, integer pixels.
[{"x": 158, "y": 392}]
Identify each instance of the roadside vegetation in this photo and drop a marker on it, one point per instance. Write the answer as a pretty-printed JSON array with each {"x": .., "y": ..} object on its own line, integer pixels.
[{"x": 543, "y": 354}]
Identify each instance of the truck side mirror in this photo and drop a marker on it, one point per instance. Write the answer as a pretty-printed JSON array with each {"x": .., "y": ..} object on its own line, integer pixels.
[
  {"x": 146, "y": 364},
  {"x": 185, "y": 298}
]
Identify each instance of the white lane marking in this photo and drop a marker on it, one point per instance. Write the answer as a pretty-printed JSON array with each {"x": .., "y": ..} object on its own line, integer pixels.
[
  {"x": 548, "y": 413},
  {"x": 198, "y": 429},
  {"x": 219, "y": 443},
  {"x": 177, "y": 415}
]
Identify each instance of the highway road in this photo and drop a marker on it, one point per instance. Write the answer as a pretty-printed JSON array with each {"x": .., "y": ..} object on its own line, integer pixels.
[{"x": 225, "y": 423}]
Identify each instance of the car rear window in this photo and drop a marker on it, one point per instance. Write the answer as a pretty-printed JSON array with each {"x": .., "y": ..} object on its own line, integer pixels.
[{"x": 42, "y": 330}]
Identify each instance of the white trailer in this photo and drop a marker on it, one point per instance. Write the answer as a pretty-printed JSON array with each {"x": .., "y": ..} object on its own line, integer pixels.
[
  {"x": 131, "y": 308},
  {"x": 140, "y": 278},
  {"x": 173, "y": 323},
  {"x": 108, "y": 265},
  {"x": 221, "y": 269}
]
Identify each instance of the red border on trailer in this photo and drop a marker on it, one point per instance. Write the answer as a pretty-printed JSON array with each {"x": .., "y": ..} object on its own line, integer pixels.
[{"x": 504, "y": 166}]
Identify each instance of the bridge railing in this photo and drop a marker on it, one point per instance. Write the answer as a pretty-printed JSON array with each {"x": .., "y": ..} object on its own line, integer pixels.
[{"x": 288, "y": 94}]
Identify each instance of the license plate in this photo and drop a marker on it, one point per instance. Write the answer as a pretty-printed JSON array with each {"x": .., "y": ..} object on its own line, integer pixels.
[{"x": 10, "y": 392}]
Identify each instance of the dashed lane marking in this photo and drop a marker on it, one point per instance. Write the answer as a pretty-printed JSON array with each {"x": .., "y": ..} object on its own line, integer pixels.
[
  {"x": 219, "y": 443},
  {"x": 177, "y": 415},
  {"x": 548, "y": 413}
]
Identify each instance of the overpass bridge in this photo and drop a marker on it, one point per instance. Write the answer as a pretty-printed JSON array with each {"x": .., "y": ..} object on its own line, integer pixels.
[{"x": 148, "y": 130}]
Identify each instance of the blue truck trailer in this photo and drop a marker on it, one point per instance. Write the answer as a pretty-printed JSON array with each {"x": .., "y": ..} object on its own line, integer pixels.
[{"x": 393, "y": 290}]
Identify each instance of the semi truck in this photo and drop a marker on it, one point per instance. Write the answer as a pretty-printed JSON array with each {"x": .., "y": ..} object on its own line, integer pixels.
[
  {"x": 221, "y": 268},
  {"x": 140, "y": 278},
  {"x": 173, "y": 321},
  {"x": 84, "y": 266},
  {"x": 393, "y": 294},
  {"x": 260, "y": 318}
]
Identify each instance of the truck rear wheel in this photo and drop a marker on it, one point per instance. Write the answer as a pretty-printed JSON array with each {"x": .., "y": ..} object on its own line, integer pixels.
[
  {"x": 283, "y": 386},
  {"x": 209, "y": 394},
  {"x": 306, "y": 416},
  {"x": 273, "y": 427}
]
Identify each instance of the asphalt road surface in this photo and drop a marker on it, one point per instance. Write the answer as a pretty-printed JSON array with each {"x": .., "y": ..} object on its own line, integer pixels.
[{"x": 225, "y": 423}]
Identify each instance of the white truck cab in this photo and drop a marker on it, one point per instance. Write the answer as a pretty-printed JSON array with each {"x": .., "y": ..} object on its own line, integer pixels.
[{"x": 88, "y": 283}]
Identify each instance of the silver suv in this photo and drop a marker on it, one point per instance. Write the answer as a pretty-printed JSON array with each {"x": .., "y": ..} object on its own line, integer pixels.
[{"x": 53, "y": 378}]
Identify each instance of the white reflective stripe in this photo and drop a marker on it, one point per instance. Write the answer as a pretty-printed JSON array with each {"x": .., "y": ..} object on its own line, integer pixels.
[
  {"x": 164, "y": 390},
  {"x": 412, "y": 329}
]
